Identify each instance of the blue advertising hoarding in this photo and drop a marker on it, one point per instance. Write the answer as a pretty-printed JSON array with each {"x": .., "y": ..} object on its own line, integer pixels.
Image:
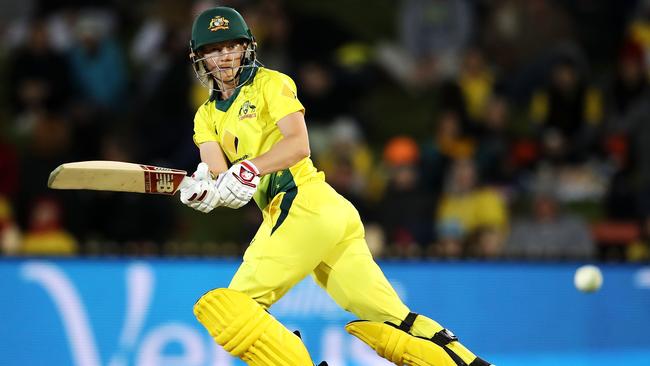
[{"x": 93, "y": 312}]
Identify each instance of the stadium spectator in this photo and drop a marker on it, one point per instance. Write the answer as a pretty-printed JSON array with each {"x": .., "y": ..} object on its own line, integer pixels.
[
  {"x": 349, "y": 165},
  {"x": 38, "y": 77},
  {"x": 45, "y": 234},
  {"x": 432, "y": 37},
  {"x": 476, "y": 82},
  {"x": 164, "y": 21},
  {"x": 623, "y": 142},
  {"x": 628, "y": 89},
  {"x": 549, "y": 233},
  {"x": 467, "y": 207},
  {"x": 633, "y": 131},
  {"x": 97, "y": 63},
  {"x": 314, "y": 67},
  {"x": 621, "y": 200},
  {"x": 48, "y": 145},
  {"x": 10, "y": 236},
  {"x": 318, "y": 88},
  {"x": 492, "y": 156},
  {"x": 639, "y": 250},
  {"x": 273, "y": 26},
  {"x": 485, "y": 243},
  {"x": 567, "y": 112},
  {"x": 639, "y": 30},
  {"x": 450, "y": 242},
  {"x": 447, "y": 144},
  {"x": 517, "y": 37},
  {"x": 405, "y": 207},
  {"x": 163, "y": 102}
]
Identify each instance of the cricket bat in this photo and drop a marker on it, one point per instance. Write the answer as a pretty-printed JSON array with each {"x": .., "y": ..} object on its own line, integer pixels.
[{"x": 117, "y": 176}]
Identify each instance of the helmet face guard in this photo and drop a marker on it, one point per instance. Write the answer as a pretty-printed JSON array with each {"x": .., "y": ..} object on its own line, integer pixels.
[{"x": 215, "y": 79}]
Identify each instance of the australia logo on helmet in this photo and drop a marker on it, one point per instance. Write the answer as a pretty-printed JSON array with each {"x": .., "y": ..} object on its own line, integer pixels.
[
  {"x": 217, "y": 23},
  {"x": 247, "y": 110}
]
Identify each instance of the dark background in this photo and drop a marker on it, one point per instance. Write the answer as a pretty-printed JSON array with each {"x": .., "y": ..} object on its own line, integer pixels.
[{"x": 491, "y": 129}]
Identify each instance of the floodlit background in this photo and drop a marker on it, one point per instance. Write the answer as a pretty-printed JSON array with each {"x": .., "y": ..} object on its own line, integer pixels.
[{"x": 491, "y": 147}]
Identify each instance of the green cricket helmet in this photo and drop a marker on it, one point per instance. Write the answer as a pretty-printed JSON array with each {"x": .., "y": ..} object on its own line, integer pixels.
[{"x": 218, "y": 25}]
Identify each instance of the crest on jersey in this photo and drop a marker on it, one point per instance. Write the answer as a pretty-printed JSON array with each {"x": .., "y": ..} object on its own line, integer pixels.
[
  {"x": 247, "y": 110},
  {"x": 217, "y": 23}
]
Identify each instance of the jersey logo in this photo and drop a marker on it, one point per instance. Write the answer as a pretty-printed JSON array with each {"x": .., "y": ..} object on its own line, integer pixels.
[
  {"x": 247, "y": 110},
  {"x": 217, "y": 23}
]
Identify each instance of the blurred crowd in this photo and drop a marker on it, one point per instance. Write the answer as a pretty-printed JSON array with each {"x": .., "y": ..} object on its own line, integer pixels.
[{"x": 488, "y": 129}]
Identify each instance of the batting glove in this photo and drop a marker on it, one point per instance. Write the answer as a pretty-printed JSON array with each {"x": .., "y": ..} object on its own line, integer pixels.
[
  {"x": 238, "y": 185},
  {"x": 201, "y": 193}
]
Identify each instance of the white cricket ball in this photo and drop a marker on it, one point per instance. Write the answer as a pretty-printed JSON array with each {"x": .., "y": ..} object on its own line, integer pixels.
[{"x": 588, "y": 278}]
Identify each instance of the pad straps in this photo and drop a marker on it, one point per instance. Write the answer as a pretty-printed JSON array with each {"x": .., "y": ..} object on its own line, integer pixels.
[
  {"x": 444, "y": 337},
  {"x": 407, "y": 323},
  {"x": 441, "y": 338},
  {"x": 480, "y": 362}
]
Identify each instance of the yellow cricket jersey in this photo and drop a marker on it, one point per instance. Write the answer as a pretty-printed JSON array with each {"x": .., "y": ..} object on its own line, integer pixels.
[{"x": 245, "y": 127}]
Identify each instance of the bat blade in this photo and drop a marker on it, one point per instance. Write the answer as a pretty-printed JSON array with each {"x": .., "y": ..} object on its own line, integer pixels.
[{"x": 117, "y": 176}]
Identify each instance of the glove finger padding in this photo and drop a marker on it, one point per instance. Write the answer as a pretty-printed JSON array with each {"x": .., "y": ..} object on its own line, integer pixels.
[
  {"x": 195, "y": 205},
  {"x": 190, "y": 191},
  {"x": 195, "y": 190},
  {"x": 232, "y": 196},
  {"x": 210, "y": 199},
  {"x": 227, "y": 198},
  {"x": 205, "y": 208},
  {"x": 202, "y": 172},
  {"x": 201, "y": 195}
]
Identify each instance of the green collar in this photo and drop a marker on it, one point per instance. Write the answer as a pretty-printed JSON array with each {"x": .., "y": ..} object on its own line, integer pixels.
[{"x": 223, "y": 105}]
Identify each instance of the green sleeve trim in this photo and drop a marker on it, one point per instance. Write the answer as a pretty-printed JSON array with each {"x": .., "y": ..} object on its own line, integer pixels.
[{"x": 285, "y": 205}]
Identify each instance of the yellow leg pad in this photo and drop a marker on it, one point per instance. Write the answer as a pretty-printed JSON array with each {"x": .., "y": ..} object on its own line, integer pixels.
[
  {"x": 245, "y": 330},
  {"x": 399, "y": 347}
]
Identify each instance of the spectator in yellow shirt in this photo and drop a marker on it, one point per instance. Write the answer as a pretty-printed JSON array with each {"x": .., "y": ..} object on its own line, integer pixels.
[
  {"x": 46, "y": 236},
  {"x": 469, "y": 208}
]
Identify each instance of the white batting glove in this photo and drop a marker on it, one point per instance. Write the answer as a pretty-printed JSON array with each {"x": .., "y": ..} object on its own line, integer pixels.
[
  {"x": 238, "y": 185},
  {"x": 201, "y": 194}
]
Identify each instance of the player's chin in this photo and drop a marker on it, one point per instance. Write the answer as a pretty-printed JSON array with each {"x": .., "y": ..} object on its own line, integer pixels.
[{"x": 227, "y": 78}]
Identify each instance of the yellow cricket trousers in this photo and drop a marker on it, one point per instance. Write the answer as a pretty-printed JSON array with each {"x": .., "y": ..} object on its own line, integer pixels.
[{"x": 314, "y": 230}]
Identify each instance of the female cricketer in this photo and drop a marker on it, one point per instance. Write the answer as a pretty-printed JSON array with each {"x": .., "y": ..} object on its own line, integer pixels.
[{"x": 253, "y": 143}]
